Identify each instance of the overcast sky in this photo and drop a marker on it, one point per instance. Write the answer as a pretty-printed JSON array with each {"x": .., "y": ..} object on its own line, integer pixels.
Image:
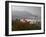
[{"x": 29, "y": 9}]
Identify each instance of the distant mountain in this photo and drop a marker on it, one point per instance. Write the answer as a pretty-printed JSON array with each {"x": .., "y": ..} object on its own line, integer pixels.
[{"x": 21, "y": 14}]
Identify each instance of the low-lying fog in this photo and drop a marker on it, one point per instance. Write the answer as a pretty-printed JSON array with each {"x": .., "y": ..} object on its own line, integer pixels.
[{"x": 25, "y": 11}]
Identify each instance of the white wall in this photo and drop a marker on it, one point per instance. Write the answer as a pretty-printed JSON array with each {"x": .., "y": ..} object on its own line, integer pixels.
[{"x": 2, "y": 19}]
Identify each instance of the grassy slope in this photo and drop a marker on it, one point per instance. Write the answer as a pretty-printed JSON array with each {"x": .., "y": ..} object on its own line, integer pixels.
[{"x": 17, "y": 25}]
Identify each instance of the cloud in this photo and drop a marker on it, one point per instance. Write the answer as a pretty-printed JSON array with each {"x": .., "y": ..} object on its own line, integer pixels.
[{"x": 26, "y": 11}]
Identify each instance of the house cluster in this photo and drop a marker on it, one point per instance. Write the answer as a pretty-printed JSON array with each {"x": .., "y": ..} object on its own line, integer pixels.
[{"x": 31, "y": 21}]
